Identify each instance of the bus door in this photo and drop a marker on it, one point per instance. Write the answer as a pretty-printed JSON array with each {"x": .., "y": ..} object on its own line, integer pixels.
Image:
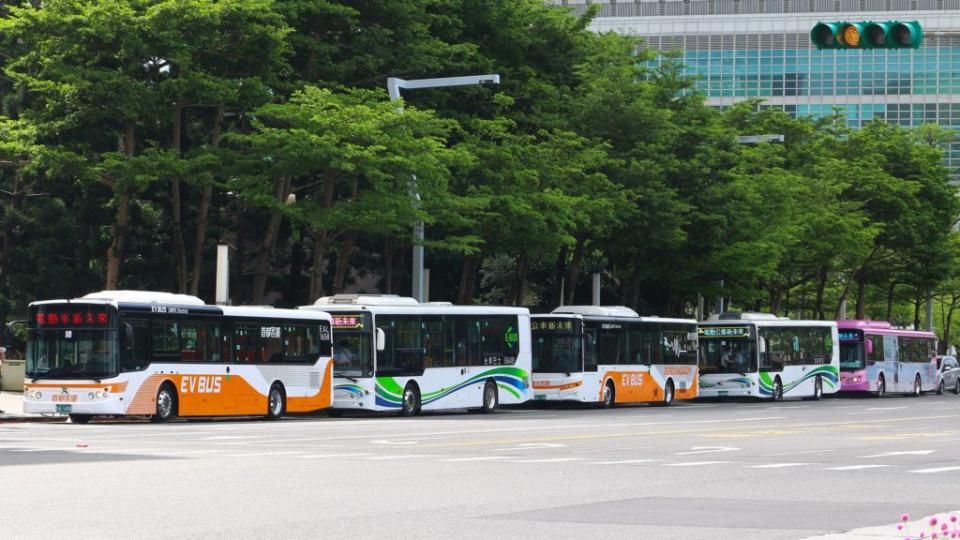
[{"x": 591, "y": 352}]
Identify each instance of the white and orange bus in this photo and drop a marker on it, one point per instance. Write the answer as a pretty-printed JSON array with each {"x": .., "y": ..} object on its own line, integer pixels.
[
  {"x": 165, "y": 355},
  {"x": 611, "y": 355}
]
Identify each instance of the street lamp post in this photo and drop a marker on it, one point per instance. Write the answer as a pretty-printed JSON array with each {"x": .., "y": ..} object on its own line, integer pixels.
[{"x": 394, "y": 85}]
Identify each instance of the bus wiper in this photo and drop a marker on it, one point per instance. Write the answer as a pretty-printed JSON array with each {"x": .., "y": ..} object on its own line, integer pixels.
[{"x": 348, "y": 378}]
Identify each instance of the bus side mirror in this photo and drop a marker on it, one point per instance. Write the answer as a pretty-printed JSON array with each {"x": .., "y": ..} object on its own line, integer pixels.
[
  {"x": 381, "y": 339},
  {"x": 762, "y": 344},
  {"x": 869, "y": 346}
]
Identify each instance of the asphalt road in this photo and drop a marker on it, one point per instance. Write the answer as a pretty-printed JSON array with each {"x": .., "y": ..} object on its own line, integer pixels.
[{"x": 694, "y": 470}]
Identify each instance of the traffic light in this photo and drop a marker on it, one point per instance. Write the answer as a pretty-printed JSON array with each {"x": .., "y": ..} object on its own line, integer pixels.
[{"x": 867, "y": 35}]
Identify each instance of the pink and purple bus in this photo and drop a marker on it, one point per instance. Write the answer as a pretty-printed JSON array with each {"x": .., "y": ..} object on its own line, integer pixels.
[{"x": 880, "y": 359}]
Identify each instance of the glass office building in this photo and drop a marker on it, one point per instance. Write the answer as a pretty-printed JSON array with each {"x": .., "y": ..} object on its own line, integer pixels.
[{"x": 743, "y": 49}]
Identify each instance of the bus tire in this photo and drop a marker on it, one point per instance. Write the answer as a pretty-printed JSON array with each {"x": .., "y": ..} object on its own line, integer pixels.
[
  {"x": 940, "y": 388},
  {"x": 668, "y": 394},
  {"x": 491, "y": 398},
  {"x": 166, "y": 404},
  {"x": 777, "y": 393},
  {"x": 276, "y": 402},
  {"x": 881, "y": 386},
  {"x": 410, "y": 405},
  {"x": 817, "y": 389},
  {"x": 917, "y": 387},
  {"x": 80, "y": 418},
  {"x": 609, "y": 395}
]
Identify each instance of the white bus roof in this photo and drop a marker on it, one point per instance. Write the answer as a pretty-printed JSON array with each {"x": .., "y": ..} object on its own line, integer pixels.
[
  {"x": 776, "y": 321},
  {"x": 430, "y": 308},
  {"x": 366, "y": 300},
  {"x": 598, "y": 311},
  {"x": 640, "y": 318},
  {"x": 274, "y": 313},
  {"x": 144, "y": 297}
]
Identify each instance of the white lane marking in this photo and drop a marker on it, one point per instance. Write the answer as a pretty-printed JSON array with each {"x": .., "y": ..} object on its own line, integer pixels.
[
  {"x": 186, "y": 452},
  {"x": 550, "y": 460},
  {"x": 401, "y": 456},
  {"x": 398, "y": 443},
  {"x": 478, "y": 458},
  {"x": 777, "y": 465},
  {"x": 258, "y": 454},
  {"x": 695, "y": 463},
  {"x": 903, "y": 453},
  {"x": 237, "y": 437},
  {"x": 612, "y": 449},
  {"x": 624, "y": 461},
  {"x": 935, "y": 470},
  {"x": 707, "y": 450},
  {"x": 530, "y": 446},
  {"x": 855, "y": 467},
  {"x": 885, "y": 408},
  {"x": 722, "y": 421},
  {"x": 321, "y": 456},
  {"x": 798, "y": 453}
]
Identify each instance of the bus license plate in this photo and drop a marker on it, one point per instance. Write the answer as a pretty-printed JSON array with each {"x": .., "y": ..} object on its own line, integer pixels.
[
  {"x": 540, "y": 397},
  {"x": 64, "y": 407},
  {"x": 722, "y": 393}
]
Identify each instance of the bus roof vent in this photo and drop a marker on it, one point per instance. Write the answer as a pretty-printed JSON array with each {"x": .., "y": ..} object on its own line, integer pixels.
[
  {"x": 598, "y": 311},
  {"x": 144, "y": 297},
  {"x": 366, "y": 299},
  {"x": 748, "y": 316}
]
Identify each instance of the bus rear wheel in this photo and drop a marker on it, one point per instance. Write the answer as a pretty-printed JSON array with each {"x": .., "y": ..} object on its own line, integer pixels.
[
  {"x": 609, "y": 395},
  {"x": 410, "y": 405},
  {"x": 276, "y": 402},
  {"x": 80, "y": 418},
  {"x": 490, "y": 398},
  {"x": 166, "y": 404},
  {"x": 817, "y": 389},
  {"x": 917, "y": 387},
  {"x": 881, "y": 387}
]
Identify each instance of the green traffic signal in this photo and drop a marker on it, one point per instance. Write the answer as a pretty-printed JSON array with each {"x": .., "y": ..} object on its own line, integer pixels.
[{"x": 867, "y": 35}]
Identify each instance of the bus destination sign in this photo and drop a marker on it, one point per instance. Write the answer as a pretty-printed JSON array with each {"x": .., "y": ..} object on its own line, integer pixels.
[
  {"x": 723, "y": 332},
  {"x": 348, "y": 322}
]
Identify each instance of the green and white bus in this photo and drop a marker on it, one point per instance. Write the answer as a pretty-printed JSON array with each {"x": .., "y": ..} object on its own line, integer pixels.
[
  {"x": 393, "y": 353},
  {"x": 764, "y": 356}
]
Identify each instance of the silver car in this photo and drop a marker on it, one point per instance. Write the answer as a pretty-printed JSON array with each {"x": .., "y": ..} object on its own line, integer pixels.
[{"x": 949, "y": 373}]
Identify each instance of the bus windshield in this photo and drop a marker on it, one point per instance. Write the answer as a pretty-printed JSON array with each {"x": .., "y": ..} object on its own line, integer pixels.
[
  {"x": 556, "y": 352},
  {"x": 352, "y": 355},
  {"x": 727, "y": 356},
  {"x": 72, "y": 354},
  {"x": 851, "y": 356}
]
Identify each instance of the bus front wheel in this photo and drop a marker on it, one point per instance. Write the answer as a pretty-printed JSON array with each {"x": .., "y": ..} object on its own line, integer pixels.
[
  {"x": 411, "y": 401},
  {"x": 276, "y": 402},
  {"x": 166, "y": 404},
  {"x": 668, "y": 394},
  {"x": 817, "y": 389},
  {"x": 881, "y": 387},
  {"x": 777, "y": 393},
  {"x": 609, "y": 395},
  {"x": 917, "y": 387}
]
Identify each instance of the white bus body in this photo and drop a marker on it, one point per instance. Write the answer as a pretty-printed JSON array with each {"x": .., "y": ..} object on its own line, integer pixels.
[{"x": 392, "y": 353}]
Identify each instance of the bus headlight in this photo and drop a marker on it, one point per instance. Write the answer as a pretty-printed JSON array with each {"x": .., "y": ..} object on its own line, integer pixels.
[
  {"x": 91, "y": 395},
  {"x": 102, "y": 394}
]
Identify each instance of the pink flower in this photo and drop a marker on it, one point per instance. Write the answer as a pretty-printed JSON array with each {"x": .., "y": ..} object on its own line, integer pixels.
[
  {"x": 953, "y": 518},
  {"x": 943, "y": 527},
  {"x": 933, "y": 521},
  {"x": 899, "y": 526},
  {"x": 905, "y": 517}
]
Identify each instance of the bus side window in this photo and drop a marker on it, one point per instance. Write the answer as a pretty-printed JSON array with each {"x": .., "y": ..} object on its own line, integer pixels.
[
  {"x": 166, "y": 346},
  {"x": 589, "y": 349},
  {"x": 210, "y": 337},
  {"x": 244, "y": 344},
  {"x": 136, "y": 345}
]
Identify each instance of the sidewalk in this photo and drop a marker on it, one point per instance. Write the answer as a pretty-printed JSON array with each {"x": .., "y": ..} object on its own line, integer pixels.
[{"x": 11, "y": 403}]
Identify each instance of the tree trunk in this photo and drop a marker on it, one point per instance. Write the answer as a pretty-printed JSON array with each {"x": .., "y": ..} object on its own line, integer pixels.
[
  {"x": 321, "y": 242},
  {"x": 520, "y": 279},
  {"x": 388, "y": 265},
  {"x": 574, "y": 273},
  {"x": 776, "y": 300},
  {"x": 861, "y": 280},
  {"x": 821, "y": 286},
  {"x": 633, "y": 289},
  {"x": 948, "y": 324},
  {"x": 176, "y": 207},
  {"x": 559, "y": 271},
  {"x": 281, "y": 188},
  {"x": 890, "y": 290},
  {"x": 203, "y": 213},
  {"x": 295, "y": 277},
  {"x": 917, "y": 302},
  {"x": 118, "y": 229},
  {"x": 468, "y": 278},
  {"x": 343, "y": 261}
]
